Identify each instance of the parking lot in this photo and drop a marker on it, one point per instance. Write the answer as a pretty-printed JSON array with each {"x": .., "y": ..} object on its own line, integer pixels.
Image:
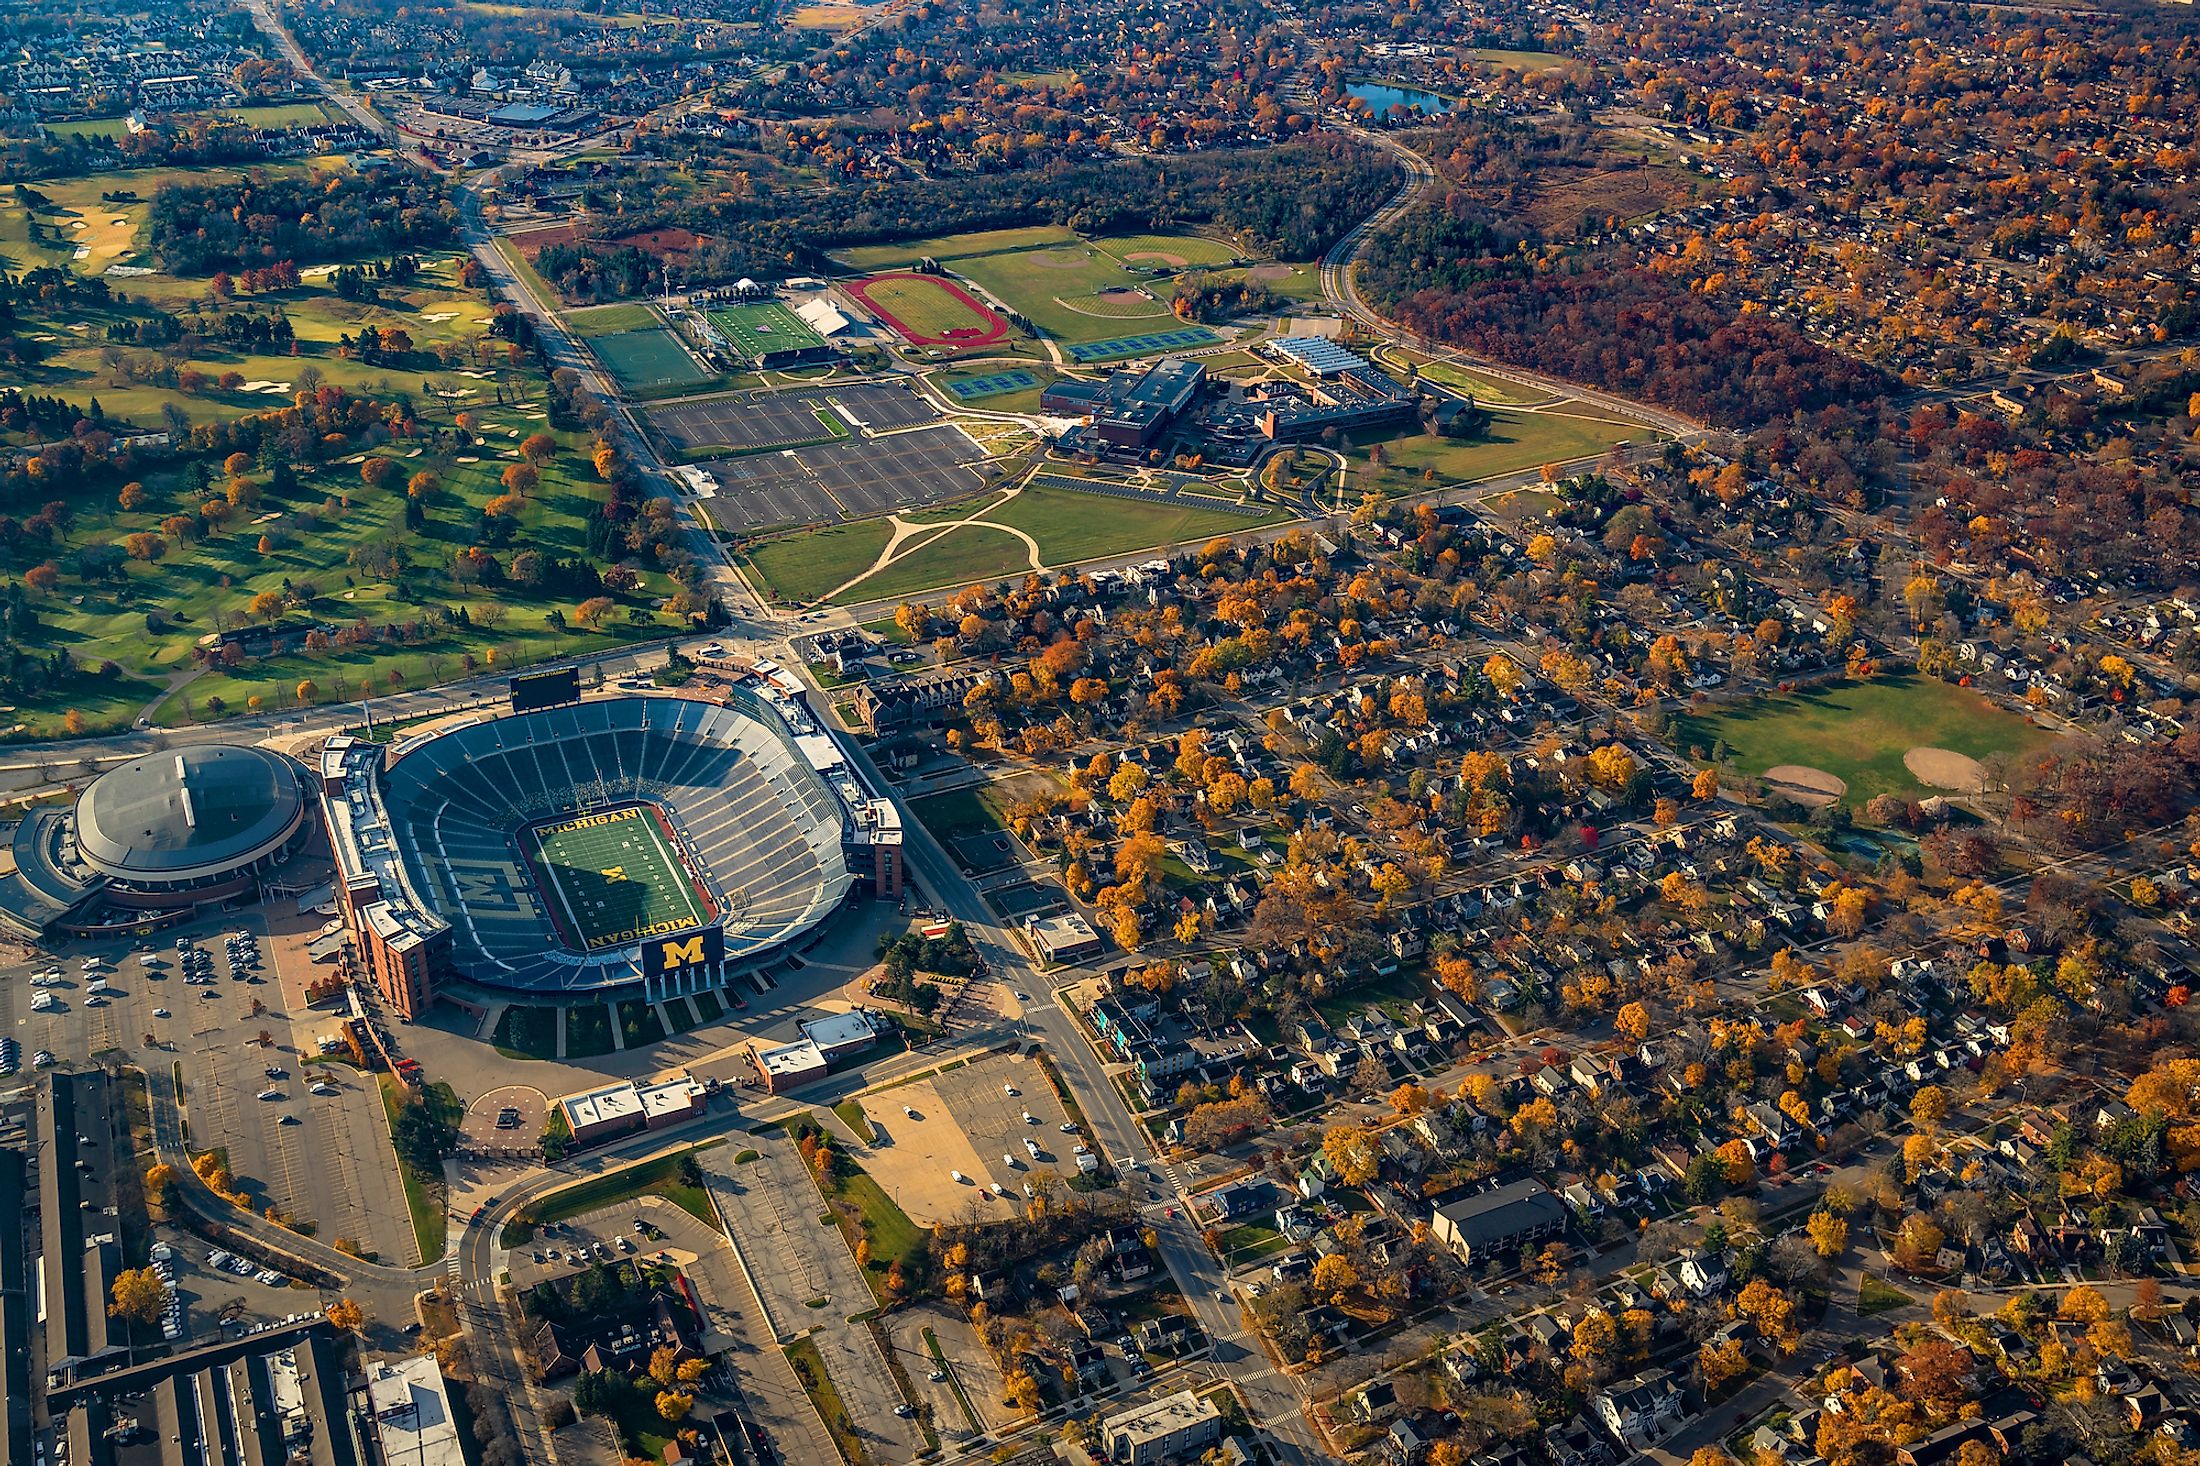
[
  {"x": 747, "y": 422},
  {"x": 970, "y": 1120},
  {"x": 850, "y": 479},
  {"x": 321, "y": 1158}
]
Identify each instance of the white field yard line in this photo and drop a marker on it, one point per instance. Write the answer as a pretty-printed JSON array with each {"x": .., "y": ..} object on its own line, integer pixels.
[
  {"x": 673, "y": 866},
  {"x": 565, "y": 898}
]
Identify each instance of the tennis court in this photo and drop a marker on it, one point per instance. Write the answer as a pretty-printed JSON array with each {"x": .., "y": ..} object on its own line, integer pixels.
[
  {"x": 611, "y": 877},
  {"x": 994, "y": 384},
  {"x": 1150, "y": 344},
  {"x": 645, "y": 360}
]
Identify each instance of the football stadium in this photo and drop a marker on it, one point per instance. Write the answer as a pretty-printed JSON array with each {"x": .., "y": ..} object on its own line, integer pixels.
[{"x": 628, "y": 846}]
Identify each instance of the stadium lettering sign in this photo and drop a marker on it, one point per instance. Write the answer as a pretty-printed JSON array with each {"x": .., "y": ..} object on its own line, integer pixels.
[{"x": 681, "y": 950}]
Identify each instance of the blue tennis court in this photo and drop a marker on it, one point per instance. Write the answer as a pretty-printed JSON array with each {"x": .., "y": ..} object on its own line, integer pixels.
[
  {"x": 1181, "y": 339},
  {"x": 997, "y": 384}
]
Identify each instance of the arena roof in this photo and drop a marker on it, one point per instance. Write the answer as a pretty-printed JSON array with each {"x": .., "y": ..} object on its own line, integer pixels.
[{"x": 196, "y": 811}]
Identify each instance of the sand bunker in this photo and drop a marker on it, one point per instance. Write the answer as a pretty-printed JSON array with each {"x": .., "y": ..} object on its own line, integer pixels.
[
  {"x": 1805, "y": 785},
  {"x": 1944, "y": 768}
]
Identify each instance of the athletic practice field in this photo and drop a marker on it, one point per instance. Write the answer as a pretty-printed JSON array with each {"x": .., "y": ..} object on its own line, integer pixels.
[
  {"x": 646, "y": 360},
  {"x": 763, "y": 330},
  {"x": 929, "y": 311},
  {"x": 611, "y": 877}
]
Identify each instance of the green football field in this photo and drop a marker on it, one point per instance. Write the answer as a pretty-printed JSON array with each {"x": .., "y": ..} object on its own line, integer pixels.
[
  {"x": 613, "y": 877},
  {"x": 761, "y": 327}
]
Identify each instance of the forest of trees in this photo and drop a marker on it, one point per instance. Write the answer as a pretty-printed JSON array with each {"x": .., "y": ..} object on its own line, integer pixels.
[
  {"x": 1637, "y": 333},
  {"x": 1292, "y": 201},
  {"x": 196, "y": 229}
]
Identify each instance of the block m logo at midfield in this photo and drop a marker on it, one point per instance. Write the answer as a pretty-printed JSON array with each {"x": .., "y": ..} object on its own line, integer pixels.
[{"x": 683, "y": 952}]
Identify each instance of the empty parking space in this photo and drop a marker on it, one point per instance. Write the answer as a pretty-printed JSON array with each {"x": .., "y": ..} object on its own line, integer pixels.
[
  {"x": 750, "y": 422},
  {"x": 975, "y": 1120},
  {"x": 851, "y": 479}
]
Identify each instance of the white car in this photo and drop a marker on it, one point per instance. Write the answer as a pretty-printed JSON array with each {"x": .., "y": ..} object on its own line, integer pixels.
[
  {"x": 322, "y": 1089},
  {"x": 95, "y": 1001},
  {"x": 1068, "y": 1128},
  {"x": 271, "y": 1094},
  {"x": 1009, "y": 1090},
  {"x": 160, "y": 1013},
  {"x": 909, "y": 1111},
  {"x": 1032, "y": 1146}
]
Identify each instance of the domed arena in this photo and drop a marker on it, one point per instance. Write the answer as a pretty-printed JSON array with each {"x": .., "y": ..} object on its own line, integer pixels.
[
  {"x": 572, "y": 851},
  {"x": 156, "y": 839}
]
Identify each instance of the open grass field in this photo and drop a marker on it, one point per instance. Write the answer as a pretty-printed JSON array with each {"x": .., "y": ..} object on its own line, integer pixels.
[
  {"x": 1166, "y": 251},
  {"x": 807, "y": 564},
  {"x": 1056, "y": 287},
  {"x": 1071, "y": 288},
  {"x": 612, "y": 877},
  {"x": 272, "y": 115},
  {"x": 1489, "y": 391},
  {"x": 1071, "y": 526},
  {"x": 1517, "y": 60},
  {"x": 613, "y": 320},
  {"x": 946, "y": 247},
  {"x": 761, "y": 328},
  {"x": 930, "y": 311},
  {"x": 956, "y": 557},
  {"x": 648, "y": 361},
  {"x": 1515, "y": 440},
  {"x": 1067, "y": 526},
  {"x": 1860, "y": 731}
]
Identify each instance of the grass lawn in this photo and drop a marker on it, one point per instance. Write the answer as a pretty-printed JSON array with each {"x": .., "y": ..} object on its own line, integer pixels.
[
  {"x": 851, "y": 1115},
  {"x": 961, "y": 812},
  {"x": 1037, "y": 282},
  {"x": 1149, "y": 251},
  {"x": 613, "y": 320},
  {"x": 932, "y": 308},
  {"x": 1514, "y": 441},
  {"x": 424, "y": 1201},
  {"x": 952, "y": 558},
  {"x": 1879, "y": 1296},
  {"x": 659, "y": 1177},
  {"x": 1070, "y": 526},
  {"x": 953, "y": 247},
  {"x": 1489, "y": 391},
  {"x": 587, "y": 1031},
  {"x": 649, "y": 361},
  {"x": 863, "y": 1209},
  {"x": 1517, "y": 60},
  {"x": 809, "y": 1367},
  {"x": 1859, "y": 731},
  {"x": 812, "y": 562}
]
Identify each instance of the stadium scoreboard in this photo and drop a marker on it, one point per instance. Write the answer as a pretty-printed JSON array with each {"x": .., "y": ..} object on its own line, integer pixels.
[
  {"x": 697, "y": 948},
  {"x": 539, "y": 690}
]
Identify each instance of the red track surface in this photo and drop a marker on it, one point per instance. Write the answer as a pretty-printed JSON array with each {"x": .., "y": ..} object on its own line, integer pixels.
[{"x": 996, "y": 328}]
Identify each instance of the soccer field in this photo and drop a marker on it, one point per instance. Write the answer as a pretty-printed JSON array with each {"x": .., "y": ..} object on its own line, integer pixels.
[{"x": 613, "y": 878}]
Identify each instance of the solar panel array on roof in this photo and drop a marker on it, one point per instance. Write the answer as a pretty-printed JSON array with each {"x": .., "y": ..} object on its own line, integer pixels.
[{"x": 1320, "y": 355}]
